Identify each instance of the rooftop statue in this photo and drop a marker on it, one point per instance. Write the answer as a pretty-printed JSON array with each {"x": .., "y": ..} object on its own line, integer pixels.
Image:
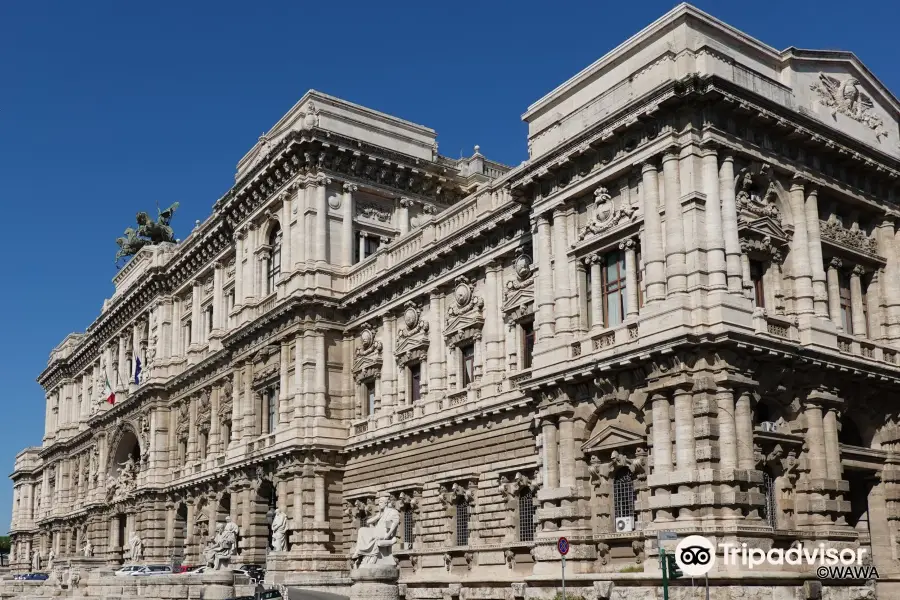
[{"x": 148, "y": 232}]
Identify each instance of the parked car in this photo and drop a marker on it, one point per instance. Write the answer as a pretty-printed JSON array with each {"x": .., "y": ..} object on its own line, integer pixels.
[
  {"x": 32, "y": 577},
  {"x": 127, "y": 570},
  {"x": 254, "y": 572},
  {"x": 147, "y": 570},
  {"x": 185, "y": 568}
]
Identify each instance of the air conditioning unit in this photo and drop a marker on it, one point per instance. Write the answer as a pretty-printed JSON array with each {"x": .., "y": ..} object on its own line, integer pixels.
[
  {"x": 624, "y": 524},
  {"x": 768, "y": 426}
]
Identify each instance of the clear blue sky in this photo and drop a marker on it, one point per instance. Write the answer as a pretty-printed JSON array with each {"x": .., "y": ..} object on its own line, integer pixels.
[{"x": 109, "y": 107}]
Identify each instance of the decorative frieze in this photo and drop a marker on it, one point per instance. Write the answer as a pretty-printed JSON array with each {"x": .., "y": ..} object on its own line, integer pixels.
[{"x": 847, "y": 98}]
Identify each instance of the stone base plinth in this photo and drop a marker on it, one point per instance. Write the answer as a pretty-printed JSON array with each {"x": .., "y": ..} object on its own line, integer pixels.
[
  {"x": 375, "y": 583},
  {"x": 218, "y": 585}
]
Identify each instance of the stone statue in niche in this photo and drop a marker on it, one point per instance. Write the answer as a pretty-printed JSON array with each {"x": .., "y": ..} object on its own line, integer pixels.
[
  {"x": 88, "y": 550},
  {"x": 279, "y": 531},
  {"x": 135, "y": 547},
  {"x": 375, "y": 540}
]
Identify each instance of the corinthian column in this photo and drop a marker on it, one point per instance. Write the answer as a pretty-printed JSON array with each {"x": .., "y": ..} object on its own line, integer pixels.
[
  {"x": 820, "y": 293},
  {"x": 715, "y": 240},
  {"x": 492, "y": 341},
  {"x": 654, "y": 260},
  {"x": 561, "y": 272},
  {"x": 322, "y": 220},
  {"x": 347, "y": 225},
  {"x": 299, "y": 233},
  {"x": 730, "y": 225},
  {"x": 676, "y": 274},
  {"x": 832, "y": 443},
  {"x": 403, "y": 214},
  {"x": 856, "y": 302},
  {"x": 662, "y": 434},
  {"x": 436, "y": 384},
  {"x": 800, "y": 264},
  {"x": 544, "y": 284},
  {"x": 815, "y": 441},
  {"x": 834, "y": 293}
]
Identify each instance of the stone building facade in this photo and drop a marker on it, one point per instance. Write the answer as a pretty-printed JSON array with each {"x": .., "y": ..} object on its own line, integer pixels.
[{"x": 682, "y": 312}]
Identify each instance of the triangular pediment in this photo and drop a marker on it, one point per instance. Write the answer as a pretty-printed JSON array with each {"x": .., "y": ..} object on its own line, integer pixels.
[
  {"x": 837, "y": 89},
  {"x": 612, "y": 437},
  {"x": 767, "y": 226}
]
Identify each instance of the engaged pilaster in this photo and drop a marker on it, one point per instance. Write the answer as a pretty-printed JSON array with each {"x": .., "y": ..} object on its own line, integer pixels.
[
  {"x": 654, "y": 260},
  {"x": 676, "y": 273}
]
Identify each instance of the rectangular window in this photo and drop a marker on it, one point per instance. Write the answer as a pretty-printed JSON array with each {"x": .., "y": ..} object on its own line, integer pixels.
[
  {"x": 209, "y": 319},
  {"x": 526, "y": 515},
  {"x": 588, "y": 299},
  {"x": 408, "y": 529},
  {"x": 369, "y": 406},
  {"x": 231, "y": 297},
  {"x": 187, "y": 334},
  {"x": 370, "y": 245},
  {"x": 757, "y": 270},
  {"x": 272, "y": 406},
  {"x": 462, "y": 523},
  {"x": 467, "y": 357},
  {"x": 527, "y": 330},
  {"x": 613, "y": 288},
  {"x": 415, "y": 382},
  {"x": 846, "y": 305}
]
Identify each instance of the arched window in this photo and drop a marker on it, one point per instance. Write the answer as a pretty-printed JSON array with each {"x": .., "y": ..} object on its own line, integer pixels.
[
  {"x": 526, "y": 515},
  {"x": 274, "y": 258},
  {"x": 462, "y": 523},
  {"x": 623, "y": 494},
  {"x": 770, "y": 509},
  {"x": 850, "y": 434}
]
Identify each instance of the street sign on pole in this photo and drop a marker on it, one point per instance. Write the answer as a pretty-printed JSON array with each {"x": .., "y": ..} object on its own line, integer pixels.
[{"x": 562, "y": 545}]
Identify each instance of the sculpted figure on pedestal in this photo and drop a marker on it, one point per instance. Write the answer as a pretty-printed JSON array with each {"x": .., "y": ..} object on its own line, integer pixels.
[
  {"x": 375, "y": 540},
  {"x": 279, "y": 531},
  {"x": 50, "y": 558},
  {"x": 221, "y": 548},
  {"x": 148, "y": 232},
  {"x": 88, "y": 550},
  {"x": 135, "y": 547}
]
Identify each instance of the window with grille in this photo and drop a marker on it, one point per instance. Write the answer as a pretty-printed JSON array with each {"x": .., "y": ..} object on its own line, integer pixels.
[
  {"x": 462, "y": 523},
  {"x": 623, "y": 494},
  {"x": 756, "y": 278},
  {"x": 769, "y": 511},
  {"x": 408, "y": 529},
  {"x": 527, "y": 344},
  {"x": 467, "y": 355},
  {"x": 613, "y": 288},
  {"x": 526, "y": 515},
  {"x": 415, "y": 382},
  {"x": 274, "y": 259}
]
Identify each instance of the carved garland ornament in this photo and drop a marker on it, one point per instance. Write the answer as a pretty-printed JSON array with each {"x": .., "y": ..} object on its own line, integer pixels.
[
  {"x": 465, "y": 317},
  {"x": 606, "y": 216},
  {"x": 412, "y": 338}
]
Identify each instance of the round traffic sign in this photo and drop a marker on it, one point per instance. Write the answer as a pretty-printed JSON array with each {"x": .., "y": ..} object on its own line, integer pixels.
[{"x": 563, "y": 546}]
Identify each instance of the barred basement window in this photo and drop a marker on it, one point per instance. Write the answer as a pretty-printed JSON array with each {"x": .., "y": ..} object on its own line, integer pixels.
[
  {"x": 408, "y": 529},
  {"x": 623, "y": 494},
  {"x": 526, "y": 515},
  {"x": 462, "y": 523},
  {"x": 769, "y": 511}
]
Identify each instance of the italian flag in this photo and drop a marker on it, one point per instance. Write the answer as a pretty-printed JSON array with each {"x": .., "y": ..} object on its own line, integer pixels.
[{"x": 108, "y": 392}]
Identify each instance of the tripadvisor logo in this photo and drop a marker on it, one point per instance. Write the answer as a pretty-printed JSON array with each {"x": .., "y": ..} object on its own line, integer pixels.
[{"x": 695, "y": 555}]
